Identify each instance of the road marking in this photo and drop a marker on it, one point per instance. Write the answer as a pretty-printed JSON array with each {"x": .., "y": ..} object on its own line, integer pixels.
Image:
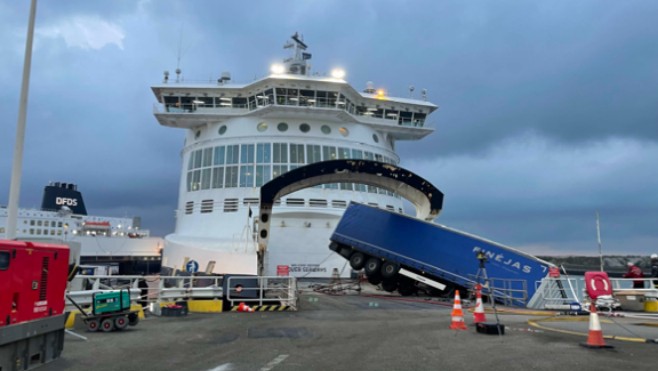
[
  {"x": 224, "y": 367},
  {"x": 273, "y": 363}
]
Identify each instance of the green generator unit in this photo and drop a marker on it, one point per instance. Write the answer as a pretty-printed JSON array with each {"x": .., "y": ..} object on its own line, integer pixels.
[{"x": 110, "y": 310}]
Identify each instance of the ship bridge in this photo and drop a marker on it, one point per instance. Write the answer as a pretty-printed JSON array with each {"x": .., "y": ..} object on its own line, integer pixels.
[{"x": 427, "y": 199}]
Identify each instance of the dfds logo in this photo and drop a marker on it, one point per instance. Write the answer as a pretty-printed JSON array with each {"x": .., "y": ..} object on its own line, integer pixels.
[{"x": 66, "y": 201}]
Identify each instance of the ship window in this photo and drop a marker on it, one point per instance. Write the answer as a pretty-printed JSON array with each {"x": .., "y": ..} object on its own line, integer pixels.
[
  {"x": 219, "y": 155},
  {"x": 326, "y": 129},
  {"x": 357, "y": 154},
  {"x": 2, "y": 229},
  {"x": 262, "y": 126},
  {"x": 231, "y": 205},
  {"x": 296, "y": 153},
  {"x": 197, "y": 159},
  {"x": 197, "y": 134},
  {"x": 369, "y": 156},
  {"x": 278, "y": 170},
  {"x": 207, "y": 156},
  {"x": 189, "y": 206},
  {"x": 313, "y": 153},
  {"x": 232, "y": 152},
  {"x": 4, "y": 259},
  {"x": 343, "y": 153},
  {"x": 304, "y": 128},
  {"x": 231, "y": 177},
  {"x": 390, "y": 208},
  {"x": 295, "y": 202},
  {"x": 59, "y": 224},
  {"x": 206, "y": 206},
  {"x": 222, "y": 130},
  {"x": 196, "y": 180},
  {"x": 263, "y": 153},
  {"x": 31, "y": 230},
  {"x": 280, "y": 153},
  {"x": 282, "y": 127},
  {"x": 46, "y": 223},
  {"x": 339, "y": 204},
  {"x": 205, "y": 178},
  {"x": 39, "y": 223},
  {"x": 375, "y": 138},
  {"x": 218, "y": 177},
  {"x": 343, "y": 131},
  {"x": 262, "y": 174},
  {"x": 247, "y": 176},
  {"x": 329, "y": 153},
  {"x": 373, "y": 204},
  {"x": 314, "y": 202},
  {"x": 247, "y": 154}
]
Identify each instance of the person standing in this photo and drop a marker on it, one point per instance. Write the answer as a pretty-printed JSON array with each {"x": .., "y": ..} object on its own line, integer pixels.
[
  {"x": 654, "y": 269},
  {"x": 635, "y": 272}
]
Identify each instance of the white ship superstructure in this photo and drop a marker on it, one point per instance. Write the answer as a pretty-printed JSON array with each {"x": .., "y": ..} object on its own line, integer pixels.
[
  {"x": 103, "y": 240},
  {"x": 240, "y": 136}
]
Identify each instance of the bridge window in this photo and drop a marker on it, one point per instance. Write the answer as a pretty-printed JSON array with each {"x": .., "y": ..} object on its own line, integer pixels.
[
  {"x": 375, "y": 138},
  {"x": 280, "y": 151},
  {"x": 278, "y": 170},
  {"x": 304, "y": 127},
  {"x": 313, "y": 153},
  {"x": 326, "y": 129},
  {"x": 219, "y": 155},
  {"x": 231, "y": 180},
  {"x": 222, "y": 130},
  {"x": 282, "y": 127},
  {"x": 247, "y": 154},
  {"x": 329, "y": 153},
  {"x": 205, "y": 178},
  {"x": 207, "y": 156},
  {"x": 247, "y": 176},
  {"x": 263, "y": 153},
  {"x": 232, "y": 154},
  {"x": 296, "y": 154},
  {"x": 218, "y": 177}
]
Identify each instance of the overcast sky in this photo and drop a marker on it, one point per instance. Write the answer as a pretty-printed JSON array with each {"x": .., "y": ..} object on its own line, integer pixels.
[{"x": 548, "y": 109}]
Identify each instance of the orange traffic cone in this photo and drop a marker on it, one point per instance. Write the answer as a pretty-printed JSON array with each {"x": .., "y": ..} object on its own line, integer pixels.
[
  {"x": 595, "y": 338},
  {"x": 478, "y": 313},
  {"x": 457, "y": 314}
]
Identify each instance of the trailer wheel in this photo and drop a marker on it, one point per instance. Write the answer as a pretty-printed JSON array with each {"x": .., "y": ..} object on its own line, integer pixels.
[
  {"x": 121, "y": 322},
  {"x": 406, "y": 287},
  {"x": 373, "y": 265},
  {"x": 357, "y": 260},
  {"x": 345, "y": 251},
  {"x": 375, "y": 279},
  {"x": 390, "y": 285},
  {"x": 389, "y": 269},
  {"x": 133, "y": 318},
  {"x": 92, "y": 325},
  {"x": 107, "y": 325}
]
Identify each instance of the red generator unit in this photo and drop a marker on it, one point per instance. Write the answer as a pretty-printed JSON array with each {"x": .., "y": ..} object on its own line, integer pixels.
[{"x": 33, "y": 279}]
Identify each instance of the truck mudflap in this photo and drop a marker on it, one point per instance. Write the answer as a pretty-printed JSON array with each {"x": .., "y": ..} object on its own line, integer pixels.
[{"x": 437, "y": 252}]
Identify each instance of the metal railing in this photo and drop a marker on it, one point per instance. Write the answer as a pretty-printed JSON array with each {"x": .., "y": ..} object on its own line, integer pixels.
[
  {"x": 512, "y": 292},
  {"x": 264, "y": 290},
  {"x": 153, "y": 290}
]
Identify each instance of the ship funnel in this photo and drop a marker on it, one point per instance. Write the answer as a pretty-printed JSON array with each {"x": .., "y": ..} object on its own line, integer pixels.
[{"x": 63, "y": 197}]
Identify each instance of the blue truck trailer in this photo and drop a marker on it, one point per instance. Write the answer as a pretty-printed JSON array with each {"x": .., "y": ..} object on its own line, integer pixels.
[{"x": 398, "y": 251}]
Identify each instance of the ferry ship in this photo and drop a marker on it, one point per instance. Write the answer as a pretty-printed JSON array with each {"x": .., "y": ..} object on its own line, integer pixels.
[
  {"x": 119, "y": 245},
  {"x": 240, "y": 136}
]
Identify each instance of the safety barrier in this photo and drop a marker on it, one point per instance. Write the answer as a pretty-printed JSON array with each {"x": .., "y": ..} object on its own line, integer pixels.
[
  {"x": 506, "y": 291},
  {"x": 262, "y": 292},
  {"x": 568, "y": 293}
]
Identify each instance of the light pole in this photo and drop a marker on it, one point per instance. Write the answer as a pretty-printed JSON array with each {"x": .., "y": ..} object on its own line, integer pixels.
[{"x": 17, "y": 166}]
